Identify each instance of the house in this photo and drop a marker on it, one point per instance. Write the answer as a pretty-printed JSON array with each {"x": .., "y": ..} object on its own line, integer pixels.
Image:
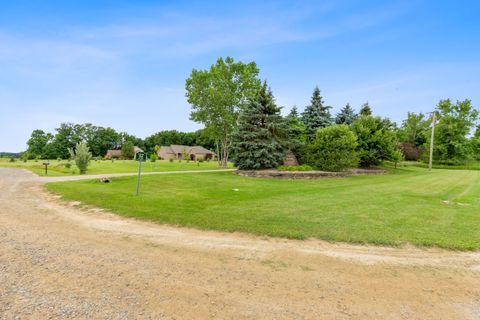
[
  {"x": 118, "y": 153},
  {"x": 176, "y": 151}
]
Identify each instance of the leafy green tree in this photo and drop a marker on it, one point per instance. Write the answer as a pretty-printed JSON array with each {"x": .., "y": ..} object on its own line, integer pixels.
[
  {"x": 67, "y": 136},
  {"x": 81, "y": 155},
  {"x": 451, "y": 134},
  {"x": 376, "y": 140},
  {"x": 346, "y": 115},
  {"x": 217, "y": 95},
  {"x": 365, "y": 110},
  {"x": 262, "y": 136},
  {"x": 414, "y": 129},
  {"x": 316, "y": 115},
  {"x": 127, "y": 150},
  {"x": 334, "y": 149},
  {"x": 475, "y": 141},
  {"x": 125, "y": 137},
  {"x": 38, "y": 142},
  {"x": 100, "y": 140}
]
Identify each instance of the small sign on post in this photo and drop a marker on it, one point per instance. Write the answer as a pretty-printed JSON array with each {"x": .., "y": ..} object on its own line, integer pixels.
[
  {"x": 46, "y": 167},
  {"x": 140, "y": 157}
]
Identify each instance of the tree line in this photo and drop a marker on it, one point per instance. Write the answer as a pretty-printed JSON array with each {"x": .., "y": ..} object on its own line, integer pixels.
[
  {"x": 240, "y": 114},
  {"x": 99, "y": 140}
]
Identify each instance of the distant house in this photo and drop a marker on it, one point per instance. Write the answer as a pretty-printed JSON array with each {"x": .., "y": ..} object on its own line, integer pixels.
[
  {"x": 176, "y": 151},
  {"x": 118, "y": 153}
]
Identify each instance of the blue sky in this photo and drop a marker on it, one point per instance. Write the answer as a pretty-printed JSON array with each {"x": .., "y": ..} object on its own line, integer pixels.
[{"x": 124, "y": 63}]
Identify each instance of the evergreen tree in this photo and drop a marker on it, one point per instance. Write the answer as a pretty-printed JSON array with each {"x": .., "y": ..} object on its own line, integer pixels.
[
  {"x": 262, "y": 136},
  {"x": 316, "y": 115},
  {"x": 346, "y": 115},
  {"x": 297, "y": 131},
  {"x": 365, "y": 110}
]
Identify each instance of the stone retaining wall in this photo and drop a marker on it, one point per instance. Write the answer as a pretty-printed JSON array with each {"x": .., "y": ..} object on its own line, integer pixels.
[{"x": 305, "y": 174}]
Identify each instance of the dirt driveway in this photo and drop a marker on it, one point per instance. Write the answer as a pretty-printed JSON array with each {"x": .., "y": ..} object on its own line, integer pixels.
[{"x": 57, "y": 261}]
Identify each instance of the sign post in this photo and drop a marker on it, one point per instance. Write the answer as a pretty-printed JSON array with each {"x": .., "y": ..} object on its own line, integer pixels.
[
  {"x": 140, "y": 158},
  {"x": 46, "y": 167}
]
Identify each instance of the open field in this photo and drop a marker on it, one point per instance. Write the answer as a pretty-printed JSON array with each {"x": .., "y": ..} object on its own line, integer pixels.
[
  {"x": 410, "y": 205},
  {"x": 58, "y": 168}
]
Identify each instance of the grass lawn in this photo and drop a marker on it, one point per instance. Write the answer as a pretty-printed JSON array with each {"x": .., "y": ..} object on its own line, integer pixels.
[
  {"x": 410, "y": 205},
  {"x": 471, "y": 165},
  {"x": 58, "y": 168}
]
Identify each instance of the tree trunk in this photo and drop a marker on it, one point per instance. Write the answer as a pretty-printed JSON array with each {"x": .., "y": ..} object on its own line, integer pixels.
[
  {"x": 219, "y": 159},
  {"x": 224, "y": 153}
]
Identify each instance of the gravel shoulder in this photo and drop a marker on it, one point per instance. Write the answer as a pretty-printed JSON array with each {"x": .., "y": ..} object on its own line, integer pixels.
[{"x": 60, "y": 261}]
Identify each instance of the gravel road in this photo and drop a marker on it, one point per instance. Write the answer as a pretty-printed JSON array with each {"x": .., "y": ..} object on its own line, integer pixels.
[{"x": 58, "y": 261}]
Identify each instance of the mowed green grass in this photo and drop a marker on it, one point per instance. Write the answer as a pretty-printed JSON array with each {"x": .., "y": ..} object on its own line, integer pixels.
[
  {"x": 58, "y": 168},
  {"x": 410, "y": 205}
]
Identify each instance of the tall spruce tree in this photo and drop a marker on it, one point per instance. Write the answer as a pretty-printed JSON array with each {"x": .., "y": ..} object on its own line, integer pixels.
[
  {"x": 297, "y": 130},
  {"x": 365, "y": 110},
  {"x": 316, "y": 115},
  {"x": 262, "y": 136},
  {"x": 346, "y": 115}
]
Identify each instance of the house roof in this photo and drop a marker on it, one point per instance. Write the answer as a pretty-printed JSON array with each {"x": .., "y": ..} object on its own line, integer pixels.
[
  {"x": 199, "y": 149},
  {"x": 137, "y": 149},
  {"x": 178, "y": 149},
  {"x": 119, "y": 152},
  {"x": 114, "y": 152}
]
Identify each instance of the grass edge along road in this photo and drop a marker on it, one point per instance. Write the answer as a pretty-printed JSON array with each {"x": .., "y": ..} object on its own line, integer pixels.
[
  {"x": 59, "y": 168},
  {"x": 409, "y": 205}
]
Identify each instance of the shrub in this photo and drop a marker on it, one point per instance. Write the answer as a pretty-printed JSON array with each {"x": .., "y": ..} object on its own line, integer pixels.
[
  {"x": 303, "y": 167},
  {"x": 411, "y": 151},
  {"x": 59, "y": 159},
  {"x": 153, "y": 157},
  {"x": 200, "y": 159},
  {"x": 376, "y": 139},
  {"x": 82, "y": 156},
  {"x": 68, "y": 165},
  {"x": 170, "y": 159},
  {"x": 397, "y": 157},
  {"x": 37, "y": 158},
  {"x": 333, "y": 149},
  {"x": 12, "y": 159}
]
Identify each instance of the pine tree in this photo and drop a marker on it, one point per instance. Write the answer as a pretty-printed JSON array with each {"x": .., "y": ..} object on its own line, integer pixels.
[
  {"x": 365, "y": 110},
  {"x": 316, "y": 115},
  {"x": 346, "y": 115},
  {"x": 262, "y": 136},
  {"x": 296, "y": 128}
]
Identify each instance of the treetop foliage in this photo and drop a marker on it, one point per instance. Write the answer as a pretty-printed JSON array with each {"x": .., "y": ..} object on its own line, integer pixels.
[
  {"x": 365, "y": 110},
  {"x": 346, "y": 115},
  {"x": 316, "y": 115}
]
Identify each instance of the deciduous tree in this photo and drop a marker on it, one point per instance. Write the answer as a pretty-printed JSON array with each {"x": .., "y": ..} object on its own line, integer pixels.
[
  {"x": 217, "y": 95},
  {"x": 451, "y": 134}
]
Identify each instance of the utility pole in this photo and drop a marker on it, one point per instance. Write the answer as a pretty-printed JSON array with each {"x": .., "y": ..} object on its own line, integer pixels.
[{"x": 431, "y": 141}]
